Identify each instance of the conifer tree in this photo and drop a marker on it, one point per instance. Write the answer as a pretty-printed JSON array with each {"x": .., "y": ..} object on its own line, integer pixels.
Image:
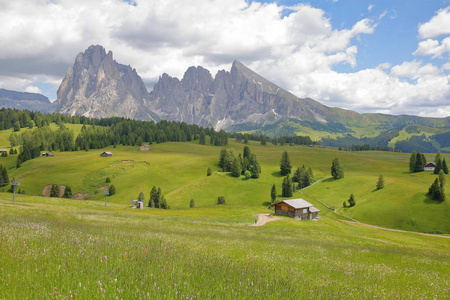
[
  {"x": 192, "y": 203},
  {"x": 153, "y": 196},
  {"x": 67, "y": 192},
  {"x": 163, "y": 203},
  {"x": 273, "y": 194},
  {"x": 412, "y": 162},
  {"x": 54, "y": 191},
  {"x": 380, "y": 182},
  {"x": 351, "y": 200},
  {"x": 287, "y": 187},
  {"x": 442, "y": 179},
  {"x": 419, "y": 163},
  {"x": 336, "y": 169},
  {"x": 236, "y": 169},
  {"x": 297, "y": 175},
  {"x": 202, "y": 137},
  {"x": 444, "y": 166},
  {"x": 112, "y": 190},
  {"x": 141, "y": 197},
  {"x": 208, "y": 172},
  {"x": 285, "y": 164},
  {"x": 158, "y": 198}
]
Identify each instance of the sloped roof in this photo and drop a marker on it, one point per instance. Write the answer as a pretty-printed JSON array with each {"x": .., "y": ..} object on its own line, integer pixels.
[
  {"x": 430, "y": 164},
  {"x": 297, "y": 203},
  {"x": 313, "y": 209}
]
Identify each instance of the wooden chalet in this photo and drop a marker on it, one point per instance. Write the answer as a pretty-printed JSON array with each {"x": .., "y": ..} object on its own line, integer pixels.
[
  {"x": 48, "y": 154},
  {"x": 106, "y": 154},
  {"x": 429, "y": 167},
  {"x": 3, "y": 150},
  {"x": 297, "y": 208},
  {"x": 144, "y": 147}
]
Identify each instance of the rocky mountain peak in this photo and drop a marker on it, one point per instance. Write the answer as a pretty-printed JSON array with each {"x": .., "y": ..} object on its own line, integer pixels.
[{"x": 98, "y": 86}]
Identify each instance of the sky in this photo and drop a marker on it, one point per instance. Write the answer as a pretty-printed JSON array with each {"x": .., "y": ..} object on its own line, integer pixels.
[{"x": 378, "y": 56}]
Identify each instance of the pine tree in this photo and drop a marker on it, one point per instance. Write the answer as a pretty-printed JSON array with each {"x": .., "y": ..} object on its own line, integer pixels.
[
  {"x": 442, "y": 179},
  {"x": 344, "y": 204},
  {"x": 247, "y": 152},
  {"x": 419, "y": 163},
  {"x": 208, "y": 172},
  {"x": 351, "y": 200},
  {"x": 221, "y": 200},
  {"x": 253, "y": 166},
  {"x": 141, "y": 197},
  {"x": 158, "y": 198},
  {"x": 108, "y": 180},
  {"x": 163, "y": 203},
  {"x": 444, "y": 166},
  {"x": 202, "y": 137},
  {"x": 287, "y": 187},
  {"x": 153, "y": 196},
  {"x": 67, "y": 192},
  {"x": 112, "y": 190},
  {"x": 236, "y": 168},
  {"x": 439, "y": 165},
  {"x": 336, "y": 169},
  {"x": 412, "y": 162},
  {"x": 380, "y": 182},
  {"x": 285, "y": 164},
  {"x": 54, "y": 191},
  {"x": 273, "y": 194},
  {"x": 297, "y": 175},
  {"x": 192, "y": 203}
]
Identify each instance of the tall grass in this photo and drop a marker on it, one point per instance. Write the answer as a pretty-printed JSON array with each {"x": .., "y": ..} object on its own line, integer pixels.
[{"x": 58, "y": 252}]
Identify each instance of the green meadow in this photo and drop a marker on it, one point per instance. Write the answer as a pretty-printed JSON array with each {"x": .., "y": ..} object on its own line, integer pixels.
[{"x": 63, "y": 248}]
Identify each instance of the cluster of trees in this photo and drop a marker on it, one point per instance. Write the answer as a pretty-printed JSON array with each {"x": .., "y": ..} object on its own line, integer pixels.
[
  {"x": 367, "y": 147},
  {"x": 441, "y": 164},
  {"x": 303, "y": 177},
  {"x": 336, "y": 168},
  {"x": 351, "y": 201},
  {"x": 436, "y": 190},
  {"x": 4, "y": 177},
  {"x": 246, "y": 164},
  {"x": 282, "y": 140},
  {"x": 157, "y": 199},
  {"x": 55, "y": 191},
  {"x": 220, "y": 200},
  {"x": 417, "y": 161}
]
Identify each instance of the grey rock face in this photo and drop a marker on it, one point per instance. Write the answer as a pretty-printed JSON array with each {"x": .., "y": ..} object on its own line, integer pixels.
[
  {"x": 97, "y": 86},
  {"x": 29, "y": 101},
  {"x": 237, "y": 97}
]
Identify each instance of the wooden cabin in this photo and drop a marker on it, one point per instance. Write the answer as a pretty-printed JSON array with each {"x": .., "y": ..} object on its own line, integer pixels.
[
  {"x": 144, "y": 147},
  {"x": 429, "y": 167},
  {"x": 106, "y": 154},
  {"x": 48, "y": 154},
  {"x": 297, "y": 208}
]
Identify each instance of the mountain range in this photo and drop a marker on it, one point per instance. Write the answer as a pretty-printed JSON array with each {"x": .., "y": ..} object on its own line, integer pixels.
[{"x": 236, "y": 100}]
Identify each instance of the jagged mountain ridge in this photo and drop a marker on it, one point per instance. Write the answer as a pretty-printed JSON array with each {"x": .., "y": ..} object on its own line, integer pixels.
[
  {"x": 97, "y": 86},
  {"x": 24, "y": 100},
  {"x": 240, "y": 96},
  {"x": 240, "y": 99}
]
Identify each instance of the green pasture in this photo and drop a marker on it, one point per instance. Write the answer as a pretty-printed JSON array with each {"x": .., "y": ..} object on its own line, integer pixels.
[
  {"x": 180, "y": 170},
  {"x": 57, "y": 249}
]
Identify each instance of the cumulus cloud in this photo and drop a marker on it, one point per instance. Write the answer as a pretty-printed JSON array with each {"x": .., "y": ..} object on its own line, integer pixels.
[
  {"x": 438, "y": 25},
  {"x": 293, "y": 46}
]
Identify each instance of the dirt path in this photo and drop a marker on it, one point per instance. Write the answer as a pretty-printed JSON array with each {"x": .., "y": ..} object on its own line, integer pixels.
[
  {"x": 398, "y": 230},
  {"x": 264, "y": 218}
]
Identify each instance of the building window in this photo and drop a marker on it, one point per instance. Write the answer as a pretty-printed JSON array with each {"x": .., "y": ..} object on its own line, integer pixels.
[{"x": 305, "y": 211}]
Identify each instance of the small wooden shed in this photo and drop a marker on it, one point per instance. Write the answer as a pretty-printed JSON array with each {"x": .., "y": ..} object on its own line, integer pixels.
[
  {"x": 144, "y": 147},
  {"x": 297, "y": 208},
  {"x": 106, "y": 154},
  {"x": 48, "y": 154}
]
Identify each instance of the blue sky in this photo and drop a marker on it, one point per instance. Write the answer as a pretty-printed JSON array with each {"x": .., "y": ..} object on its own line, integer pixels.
[{"x": 368, "y": 56}]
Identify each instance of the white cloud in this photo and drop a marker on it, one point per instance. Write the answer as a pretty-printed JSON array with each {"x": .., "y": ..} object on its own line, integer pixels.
[
  {"x": 297, "y": 51},
  {"x": 371, "y": 6},
  {"x": 433, "y": 47},
  {"x": 438, "y": 25},
  {"x": 33, "y": 89}
]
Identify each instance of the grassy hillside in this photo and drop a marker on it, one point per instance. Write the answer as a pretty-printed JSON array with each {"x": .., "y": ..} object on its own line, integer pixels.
[
  {"x": 180, "y": 170},
  {"x": 58, "y": 248}
]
